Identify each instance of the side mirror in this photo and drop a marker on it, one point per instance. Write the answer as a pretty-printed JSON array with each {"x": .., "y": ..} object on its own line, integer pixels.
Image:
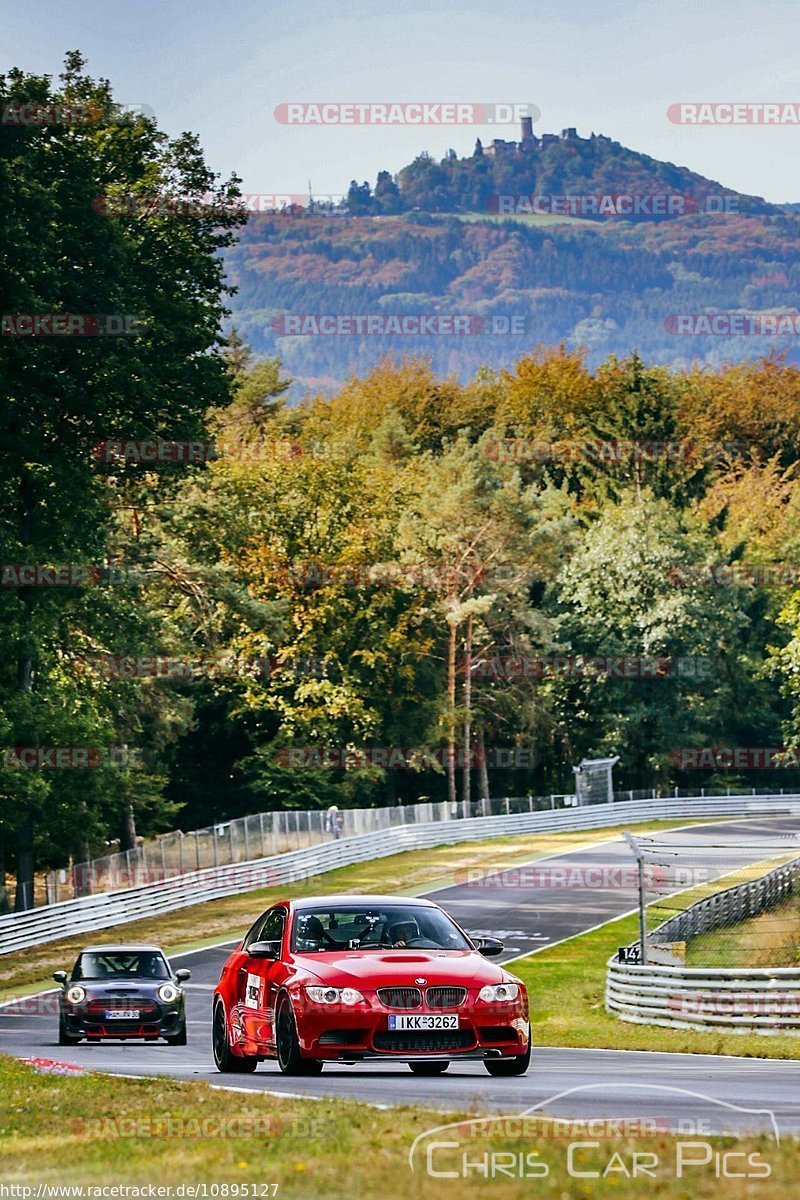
[
  {"x": 60, "y": 976},
  {"x": 264, "y": 949},
  {"x": 183, "y": 974},
  {"x": 489, "y": 947}
]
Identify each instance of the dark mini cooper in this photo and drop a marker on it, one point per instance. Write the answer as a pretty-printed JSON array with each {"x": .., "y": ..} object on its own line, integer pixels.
[{"x": 122, "y": 992}]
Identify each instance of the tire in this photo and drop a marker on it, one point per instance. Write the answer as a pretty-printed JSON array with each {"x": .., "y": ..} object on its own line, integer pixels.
[
  {"x": 64, "y": 1038},
  {"x": 429, "y": 1068},
  {"x": 517, "y": 1065},
  {"x": 179, "y": 1038},
  {"x": 226, "y": 1061},
  {"x": 290, "y": 1060}
]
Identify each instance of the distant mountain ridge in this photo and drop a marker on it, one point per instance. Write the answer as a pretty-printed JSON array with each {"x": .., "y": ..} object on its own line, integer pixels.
[{"x": 611, "y": 283}]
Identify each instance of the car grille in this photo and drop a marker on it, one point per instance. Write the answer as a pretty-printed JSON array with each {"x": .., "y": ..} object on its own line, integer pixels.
[
  {"x": 412, "y": 1043},
  {"x": 343, "y": 1037},
  {"x": 445, "y": 997},
  {"x": 400, "y": 997},
  {"x": 146, "y": 1008}
]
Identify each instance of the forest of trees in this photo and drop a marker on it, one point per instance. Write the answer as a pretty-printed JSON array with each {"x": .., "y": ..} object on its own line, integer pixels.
[
  {"x": 572, "y": 166},
  {"x": 363, "y": 570},
  {"x": 609, "y": 288}
]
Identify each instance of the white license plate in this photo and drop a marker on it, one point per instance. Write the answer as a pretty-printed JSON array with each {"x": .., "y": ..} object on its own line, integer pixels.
[
  {"x": 423, "y": 1021},
  {"x": 122, "y": 1014}
]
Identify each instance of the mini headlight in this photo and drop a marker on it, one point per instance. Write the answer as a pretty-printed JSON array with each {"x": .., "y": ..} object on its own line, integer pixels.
[
  {"x": 494, "y": 992},
  {"x": 168, "y": 992},
  {"x": 332, "y": 995},
  {"x": 76, "y": 995}
]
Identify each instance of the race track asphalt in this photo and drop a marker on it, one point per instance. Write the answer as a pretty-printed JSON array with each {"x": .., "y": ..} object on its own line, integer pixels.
[{"x": 706, "y": 1091}]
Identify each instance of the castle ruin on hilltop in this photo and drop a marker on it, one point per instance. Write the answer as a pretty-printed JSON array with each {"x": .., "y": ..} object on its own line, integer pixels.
[{"x": 528, "y": 140}]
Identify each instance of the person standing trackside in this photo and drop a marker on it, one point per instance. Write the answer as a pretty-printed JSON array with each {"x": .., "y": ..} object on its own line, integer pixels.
[{"x": 333, "y": 822}]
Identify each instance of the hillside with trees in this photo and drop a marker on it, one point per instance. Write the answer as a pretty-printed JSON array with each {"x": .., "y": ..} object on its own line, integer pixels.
[{"x": 397, "y": 566}]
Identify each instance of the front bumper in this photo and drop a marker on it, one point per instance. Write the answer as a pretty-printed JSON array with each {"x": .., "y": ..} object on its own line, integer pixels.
[
  {"x": 491, "y": 1031},
  {"x": 155, "y": 1020}
]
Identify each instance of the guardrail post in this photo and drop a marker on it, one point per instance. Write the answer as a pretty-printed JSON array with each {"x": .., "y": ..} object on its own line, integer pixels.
[{"x": 642, "y": 909}]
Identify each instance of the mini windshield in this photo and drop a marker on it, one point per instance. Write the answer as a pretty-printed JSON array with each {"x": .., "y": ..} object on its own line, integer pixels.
[
  {"x": 118, "y": 965},
  {"x": 317, "y": 930}
]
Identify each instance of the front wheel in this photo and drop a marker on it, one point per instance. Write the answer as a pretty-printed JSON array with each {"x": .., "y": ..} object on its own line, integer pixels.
[
  {"x": 429, "y": 1068},
  {"x": 64, "y": 1038},
  {"x": 517, "y": 1065},
  {"x": 226, "y": 1060},
  {"x": 179, "y": 1038},
  {"x": 290, "y": 1060}
]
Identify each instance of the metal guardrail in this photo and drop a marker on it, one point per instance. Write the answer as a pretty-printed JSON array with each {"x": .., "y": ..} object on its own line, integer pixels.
[
  {"x": 245, "y": 839},
  {"x": 744, "y": 999},
  {"x": 92, "y": 913}
]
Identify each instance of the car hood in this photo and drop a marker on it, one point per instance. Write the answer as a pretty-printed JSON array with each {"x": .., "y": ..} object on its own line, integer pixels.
[{"x": 375, "y": 968}]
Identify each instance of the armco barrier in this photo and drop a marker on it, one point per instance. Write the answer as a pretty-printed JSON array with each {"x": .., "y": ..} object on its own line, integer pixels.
[
  {"x": 737, "y": 1000},
  {"x": 91, "y": 913}
]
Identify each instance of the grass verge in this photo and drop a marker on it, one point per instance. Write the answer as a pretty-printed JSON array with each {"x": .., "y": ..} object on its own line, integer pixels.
[
  {"x": 567, "y": 985},
  {"x": 771, "y": 939},
  {"x": 95, "y": 1130},
  {"x": 410, "y": 872}
]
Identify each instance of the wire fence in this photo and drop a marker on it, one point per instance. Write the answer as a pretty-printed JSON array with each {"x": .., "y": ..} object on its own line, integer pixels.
[
  {"x": 261, "y": 834},
  {"x": 712, "y": 903}
]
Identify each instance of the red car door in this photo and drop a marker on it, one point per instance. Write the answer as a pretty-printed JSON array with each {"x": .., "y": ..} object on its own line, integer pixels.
[{"x": 256, "y": 980}]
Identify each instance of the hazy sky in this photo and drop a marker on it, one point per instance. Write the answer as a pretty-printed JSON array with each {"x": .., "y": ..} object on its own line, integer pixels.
[{"x": 221, "y": 68}]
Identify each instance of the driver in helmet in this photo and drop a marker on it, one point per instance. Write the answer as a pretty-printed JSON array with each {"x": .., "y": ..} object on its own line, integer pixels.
[{"x": 403, "y": 932}]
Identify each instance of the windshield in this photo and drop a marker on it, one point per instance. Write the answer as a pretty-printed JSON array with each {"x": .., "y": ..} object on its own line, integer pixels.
[
  {"x": 118, "y": 965},
  {"x": 317, "y": 930}
]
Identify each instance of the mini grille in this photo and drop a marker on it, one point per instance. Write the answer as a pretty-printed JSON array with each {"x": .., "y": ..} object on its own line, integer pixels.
[
  {"x": 145, "y": 1008},
  {"x": 445, "y": 997},
  {"x": 400, "y": 997}
]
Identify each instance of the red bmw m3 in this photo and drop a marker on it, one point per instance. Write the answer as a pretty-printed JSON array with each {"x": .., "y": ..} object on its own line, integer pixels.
[{"x": 348, "y": 979}]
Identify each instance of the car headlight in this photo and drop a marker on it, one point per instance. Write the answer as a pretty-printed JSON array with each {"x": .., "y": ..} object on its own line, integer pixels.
[
  {"x": 494, "y": 992},
  {"x": 76, "y": 995},
  {"x": 167, "y": 993},
  {"x": 332, "y": 995}
]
